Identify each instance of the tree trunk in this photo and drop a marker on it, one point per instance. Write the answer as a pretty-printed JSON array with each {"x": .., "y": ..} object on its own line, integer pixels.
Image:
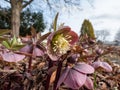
[{"x": 15, "y": 20}]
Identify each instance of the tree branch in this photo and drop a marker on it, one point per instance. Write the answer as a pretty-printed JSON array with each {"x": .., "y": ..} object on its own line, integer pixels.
[
  {"x": 48, "y": 3},
  {"x": 27, "y": 3},
  {"x": 7, "y": 1}
]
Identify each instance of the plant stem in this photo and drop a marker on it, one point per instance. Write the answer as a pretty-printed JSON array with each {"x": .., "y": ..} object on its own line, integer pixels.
[
  {"x": 95, "y": 84},
  {"x": 59, "y": 70},
  {"x": 49, "y": 76},
  {"x": 29, "y": 66},
  {"x": 30, "y": 59},
  {"x": 57, "y": 74}
]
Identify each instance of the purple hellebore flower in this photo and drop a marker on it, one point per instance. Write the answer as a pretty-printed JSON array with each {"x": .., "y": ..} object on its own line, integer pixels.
[
  {"x": 103, "y": 65},
  {"x": 59, "y": 42},
  {"x": 76, "y": 76}
]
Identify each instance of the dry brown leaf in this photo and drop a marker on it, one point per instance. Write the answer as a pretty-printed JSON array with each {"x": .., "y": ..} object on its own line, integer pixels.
[
  {"x": 102, "y": 85},
  {"x": 41, "y": 65},
  {"x": 52, "y": 79}
]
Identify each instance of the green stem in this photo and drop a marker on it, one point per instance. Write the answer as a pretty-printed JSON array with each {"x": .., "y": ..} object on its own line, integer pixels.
[{"x": 95, "y": 83}]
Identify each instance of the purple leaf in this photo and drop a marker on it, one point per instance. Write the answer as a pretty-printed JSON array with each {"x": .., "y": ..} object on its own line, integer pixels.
[
  {"x": 12, "y": 57},
  {"x": 26, "y": 40},
  {"x": 37, "y": 52},
  {"x": 26, "y": 49},
  {"x": 84, "y": 68}
]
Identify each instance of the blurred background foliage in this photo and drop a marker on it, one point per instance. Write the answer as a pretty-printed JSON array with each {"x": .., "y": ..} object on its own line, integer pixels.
[{"x": 28, "y": 18}]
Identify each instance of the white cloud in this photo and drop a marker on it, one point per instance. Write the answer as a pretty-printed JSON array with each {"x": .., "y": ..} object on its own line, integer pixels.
[{"x": 104, "y": 15}]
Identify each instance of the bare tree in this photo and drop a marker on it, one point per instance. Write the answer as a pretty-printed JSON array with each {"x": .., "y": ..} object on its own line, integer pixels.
[
  {"x": 16, "y": 8},
  {"x": 102, "y": 34},
  {"x": 18, "y": 5},
  {"x": 117, "y": 36}
]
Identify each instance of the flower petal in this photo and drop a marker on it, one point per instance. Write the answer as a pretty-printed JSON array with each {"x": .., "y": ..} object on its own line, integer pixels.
[
  {"x": 50, "y": 38},
  {"x": 53, "y": 56},
  {"x": 107, "y": 66},
  {"x": 104, "y": 65},
  {"x": 12, "y": 57},
  {"x": 89, "y": 83},
  {"x": 50, "y": 52},
  {"x": 74, "y": 37},
  {"x": 63, "y": 76},
  {"x": 96, "y": 64},
  {"x": 84, "y": 68},
  {"x": 64, "y": 30},
  {"x": 75, "y": 79}
]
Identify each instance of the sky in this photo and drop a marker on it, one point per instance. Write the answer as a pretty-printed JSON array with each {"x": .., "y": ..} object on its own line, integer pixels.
[{"x": 103, "y": 14}]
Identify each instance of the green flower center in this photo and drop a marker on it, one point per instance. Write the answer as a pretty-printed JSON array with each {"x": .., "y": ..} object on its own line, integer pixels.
[{"x": 60, "y": 44}]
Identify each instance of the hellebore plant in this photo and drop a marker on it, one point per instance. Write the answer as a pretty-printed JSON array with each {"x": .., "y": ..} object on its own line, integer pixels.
[
  {"x": 72, "y": 59},
  {"x": 58, "y": 44},
  {"x": 59, "y": 47}
]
